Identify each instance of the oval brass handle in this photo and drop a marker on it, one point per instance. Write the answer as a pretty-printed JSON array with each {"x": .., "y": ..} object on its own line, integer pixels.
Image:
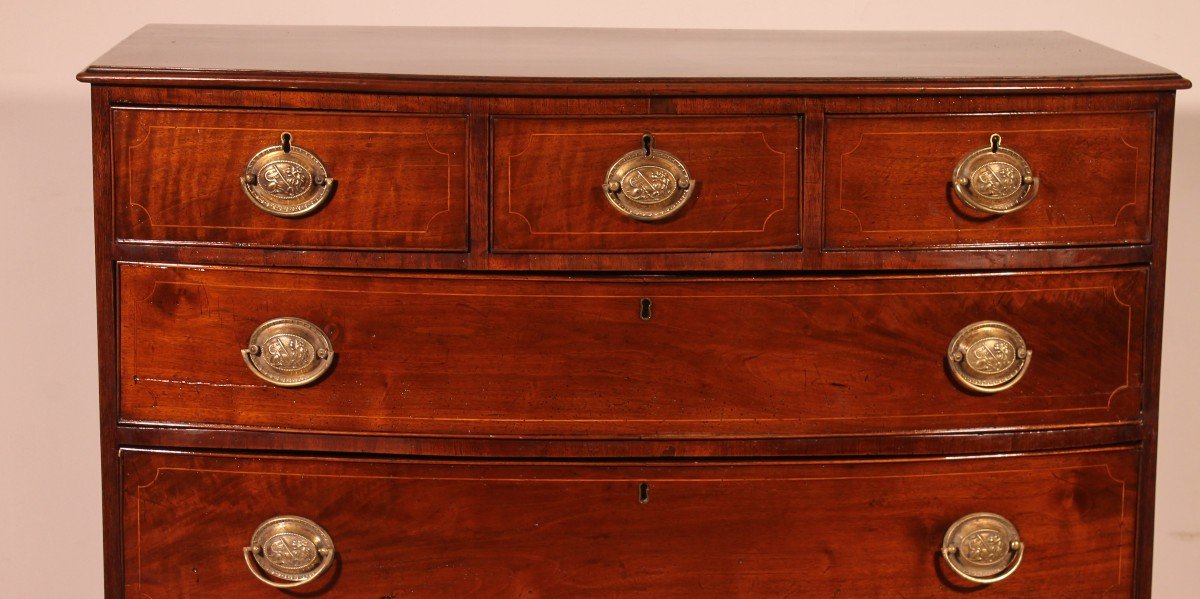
[
  {"x": 286, "y": 180},
  {"x": 983, "y": 548},
  {"x": 994, "y": 179},
  {"x": 291, "y": 549},
  {"x": 288, "y": 352},
  {"x": 988, "y": 356},
  {"x": 648, "y": 184}
]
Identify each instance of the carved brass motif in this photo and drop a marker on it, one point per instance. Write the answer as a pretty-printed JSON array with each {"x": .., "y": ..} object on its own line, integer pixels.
[
  {"x": 648, "y": 184},
  {"x": 288, "y": 551},
  {"x": 286, "y": 180},
  {"x": 983, "y": 548},
  {"x": 289, "y": 352},
  {"x": 291, "y": 549},
  {"x": 988, "y": 356},
  {"x": 994, "y": 179},
  {"x": 991, "y": 355}
]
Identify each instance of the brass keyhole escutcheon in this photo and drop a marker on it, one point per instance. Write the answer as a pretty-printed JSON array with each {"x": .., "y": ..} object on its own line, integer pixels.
[
  {"x": 286, "y": 180},
  {"x": 648, "y": 184},
  {"x": 289, "y": 551},
  {"x": 988, "y": 356},
  {"x": 982, "y": 547},
  {"x": 994, "y": 179},
  {"x": 288, "y": 352},
  {"x": 645, "y": 311}
]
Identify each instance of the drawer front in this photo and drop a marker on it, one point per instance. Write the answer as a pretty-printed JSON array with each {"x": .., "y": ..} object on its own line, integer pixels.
[
  {"x": 458, "y": 529},
  {"x": 394, "y": 182},
  {"x": 632, "y": 357},
  {"x": 549, "y": 178},
  {"x": 889, "y": 180}
]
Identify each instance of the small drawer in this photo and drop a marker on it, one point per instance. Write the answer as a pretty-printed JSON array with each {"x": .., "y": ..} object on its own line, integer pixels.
[
  {"x": 339, "y": 180},
  {"x": 909, "y": 182},
  {"x": 677, "y": 184},
  {"x": 1031, "y": 525},
  {"x": 629, "y": 357}
]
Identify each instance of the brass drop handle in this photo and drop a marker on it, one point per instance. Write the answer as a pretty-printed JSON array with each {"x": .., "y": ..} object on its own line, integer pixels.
[
  {"x": 648, "y": 184},
  {"x": 288, "y": 352},
  {"x": 995, "y": 179},
  {"x": 289, "y": 551},
  {"x": 988, "y": 356},
  {"x": 286, "y": 180},
  {"x": 982, "y": 547}
]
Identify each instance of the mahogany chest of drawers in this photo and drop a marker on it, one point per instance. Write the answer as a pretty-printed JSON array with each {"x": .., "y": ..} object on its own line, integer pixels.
[{"x": 405, "y": 312}]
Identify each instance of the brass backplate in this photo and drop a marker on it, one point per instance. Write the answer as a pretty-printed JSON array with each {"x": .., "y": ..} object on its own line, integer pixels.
[
  {"x": 648, "y": 186},
  {"x": 988, "y": 356},
  {"x": 291, "y": 548},
  {"x": 994, "y": 179},
  {"x": 286, "y": 180},
  {"x": 289, "y": 352},
  {"x": 981, "y": 546}
]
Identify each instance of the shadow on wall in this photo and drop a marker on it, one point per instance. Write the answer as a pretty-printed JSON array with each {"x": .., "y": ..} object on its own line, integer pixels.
[{"x": 1177, "y": 531}]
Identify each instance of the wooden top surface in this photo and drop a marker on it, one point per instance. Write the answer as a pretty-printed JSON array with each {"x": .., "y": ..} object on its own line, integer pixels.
[{"x": 385, "y": 57}]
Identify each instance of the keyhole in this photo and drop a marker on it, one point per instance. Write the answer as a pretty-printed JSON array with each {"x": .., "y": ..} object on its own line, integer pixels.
[
  {"x": 644, "y": 493},
  {"x": 647, "y": 142},
  {"x": 995, "y": 142},
  {"x": 286, "y": 139},
  {"x": 646, "y": 303}
]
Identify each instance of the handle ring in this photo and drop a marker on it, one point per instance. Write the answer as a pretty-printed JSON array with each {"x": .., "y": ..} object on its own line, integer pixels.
[
  {"x": 994, "y": 179},
  {"x": 983, "y": 548},
  {"x": 291, "y": 549},
  {"x": 286, "y": 180},
  {"x": 288, "y": 352},
  {"x": 988, "y": 356},
  {"x": 648, "y": 184}
]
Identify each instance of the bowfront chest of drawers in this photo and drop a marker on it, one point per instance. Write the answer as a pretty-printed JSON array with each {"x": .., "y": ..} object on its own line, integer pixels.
[{"x": 404, "y": 312}]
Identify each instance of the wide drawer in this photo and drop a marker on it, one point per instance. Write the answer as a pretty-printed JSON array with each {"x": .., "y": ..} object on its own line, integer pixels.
[
  {"x": 550, "y": 179},
  {"x": 346, "y": 180},
  {"x": 871, "y": 528},
  {"x": 890, "y": 181},
  {"x": 626, "y": 357}
]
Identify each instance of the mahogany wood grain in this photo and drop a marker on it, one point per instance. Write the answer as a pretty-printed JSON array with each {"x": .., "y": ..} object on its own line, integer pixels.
[
  {"x": 887, "y": 180},
  {"x": 106, "y": 340},
  {"x": 1154, "y": 333},
  {"x": 866, "y": 528},
  {"x": 590, "y": 62},
  {"x": 666, "y": 262},
  {"x": 330, "y": 101},
  {"x": 401, "y": 180},
  {"x": 925, "y": 443},
  {"x": 1014, "y": 255},
  {"x": 1089, "y": 303},
  {"x": 547, "y": 177},
  {"x": 628, "y": 105},
  {"x": 479, "y": 356}
]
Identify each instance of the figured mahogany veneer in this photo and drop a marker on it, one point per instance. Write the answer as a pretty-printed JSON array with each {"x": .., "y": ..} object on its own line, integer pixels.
[
  {"x": 542, "y": 356},
  {"x": 534, "y": 395},
  {"x": 867, "y": 528},
  {"x": 547, "y": 176},
  {"x": 582, "y": 61},
  {"x": 887, "y": 180},
  {"x": 401, "y": 180}
]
